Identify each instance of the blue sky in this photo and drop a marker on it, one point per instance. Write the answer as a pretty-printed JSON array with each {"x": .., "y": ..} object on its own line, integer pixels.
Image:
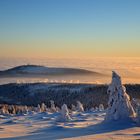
[{"x": 98, "y": 24}]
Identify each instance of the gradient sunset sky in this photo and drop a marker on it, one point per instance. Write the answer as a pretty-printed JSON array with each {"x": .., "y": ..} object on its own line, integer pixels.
[{"x": 69, "y": 28}]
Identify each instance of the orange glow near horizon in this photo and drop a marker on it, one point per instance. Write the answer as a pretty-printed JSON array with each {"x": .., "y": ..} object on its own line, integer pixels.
[{"x": 63, "y": 49}]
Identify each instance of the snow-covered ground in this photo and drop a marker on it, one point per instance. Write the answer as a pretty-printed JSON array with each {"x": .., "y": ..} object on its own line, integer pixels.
[{"x": 47, "y": 126}]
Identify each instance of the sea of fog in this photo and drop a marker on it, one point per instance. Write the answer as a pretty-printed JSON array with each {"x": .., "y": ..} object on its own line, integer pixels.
[{"x": 128, "y": 68}]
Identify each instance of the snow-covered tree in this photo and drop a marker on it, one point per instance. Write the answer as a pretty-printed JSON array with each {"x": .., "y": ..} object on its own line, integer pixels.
[
  {"x": 53, "y": 108},
  {"x": 4, "y": 110},
  {"x": 43, "y": 107},
  {"x": 65, "y": 113},
  {"x": 119, "y": 105},
  {"x": 79, "y": 107},
  {"x": 101, "y": 107}
]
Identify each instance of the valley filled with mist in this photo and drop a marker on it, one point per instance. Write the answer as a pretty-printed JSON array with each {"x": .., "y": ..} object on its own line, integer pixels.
[{"x": 128, "y": 67}]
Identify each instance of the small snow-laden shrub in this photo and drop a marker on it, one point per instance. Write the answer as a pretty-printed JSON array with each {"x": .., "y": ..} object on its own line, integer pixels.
[
  {"x": 43, "y": 107},
  {"x": 4, "y": 110},
  {"x": 65, "y": 113},
  {"x": 53, "y": 108},
  {"x": 79, "y": 107},
  {"x": 38, "y": 108},
  {"x": 101, "y": 107}
]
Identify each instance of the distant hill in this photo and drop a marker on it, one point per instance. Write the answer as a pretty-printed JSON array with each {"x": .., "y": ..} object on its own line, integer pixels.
[{"x": 36, "y": 70}]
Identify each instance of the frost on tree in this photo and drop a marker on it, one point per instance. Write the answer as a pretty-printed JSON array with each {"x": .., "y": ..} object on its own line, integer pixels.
[
  {"x": 80, "y": 107},
  {"x": 65, "y": 113},
  {"x": 119, "y": 105}
]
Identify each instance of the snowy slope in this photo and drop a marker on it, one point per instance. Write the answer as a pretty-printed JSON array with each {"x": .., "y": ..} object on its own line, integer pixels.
[{"x": 46, "y": 126}]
